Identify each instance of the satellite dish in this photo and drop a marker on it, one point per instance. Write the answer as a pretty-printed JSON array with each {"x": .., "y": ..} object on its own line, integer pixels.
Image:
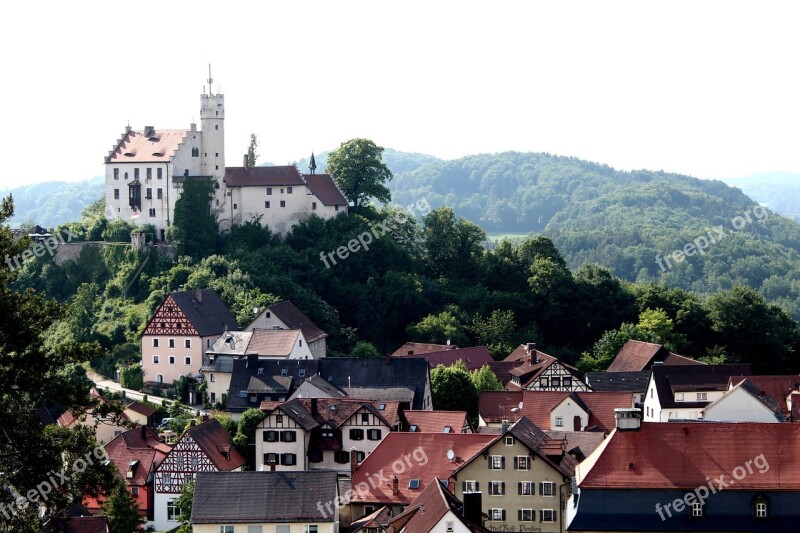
[
  {"x": 515, "y": 410},
  {"x": 451, "y": 454},
  {"x": 520, "y": 405},
  {"x": 255, "y": 310}
]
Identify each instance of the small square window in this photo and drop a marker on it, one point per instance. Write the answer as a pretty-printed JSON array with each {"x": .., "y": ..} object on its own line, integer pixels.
[
  {"x": 559, "y": 422},
  {"x": 509, "y": 441},
  {"x": 702, "y": 396},
  {"x": 266, "y": 205},
  {"x": 288, "y": 190},
  {"x": 283, "y": 203},
  {"x": 497, "y": 462},
  {"x": 313, "y": 206},
  {"x": 525, "y": 515},
  {"x": 269, "y": 191},
  {"x": 187, "y": 361},
  {"x": 155, "y": 359},
  {"x": 187, "y": 343},
  {"x": 172, "y": 359},
  {"x": 172, "y": 343},
  {"x": 155, "y": 343},
  {"x": 678, "y": 396}
]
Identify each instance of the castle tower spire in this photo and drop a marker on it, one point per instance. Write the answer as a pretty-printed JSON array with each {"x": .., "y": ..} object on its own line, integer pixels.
[{"x": 312, "y": 165}]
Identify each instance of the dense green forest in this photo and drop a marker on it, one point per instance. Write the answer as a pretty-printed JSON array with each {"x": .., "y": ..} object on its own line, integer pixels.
[
  {"x": 780, "y": 191},
  {"x": 52, "y": 203}
]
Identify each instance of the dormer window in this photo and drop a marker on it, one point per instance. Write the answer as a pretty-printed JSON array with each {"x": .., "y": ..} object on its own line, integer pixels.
[
  {"x": 132, "y": 469},
  {"x": 447, "y": 429},
  {"x": 284, "y": 371},
  {"x": 761, "y": 507},
  {"x": 697, "y": 509}
]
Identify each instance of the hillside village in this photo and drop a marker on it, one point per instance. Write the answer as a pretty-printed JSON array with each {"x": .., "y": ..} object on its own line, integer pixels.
[
  {"x": 357, "y": 445},
  {"x": 252, "y": 418}
]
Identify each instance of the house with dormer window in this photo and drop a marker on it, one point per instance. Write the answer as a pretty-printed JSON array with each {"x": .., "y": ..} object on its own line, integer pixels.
[
  {"x": 205, "y": 447},
  {"x": 536, "y": 370},
  {"x": 179, "y": 332}
]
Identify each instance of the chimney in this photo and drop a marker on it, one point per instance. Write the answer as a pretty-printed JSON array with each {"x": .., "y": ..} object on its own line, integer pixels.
[
  {"x": 395, "y": 486},
  {"x": 504, "y": 427},
  {"x": 204, "y": 418},
  {"x": 198, "y": 295},
  {"x": 252, "y": 360},
  {"x": 313, "y": 407},
  {"x": 533, "y": 355},
  {"x": 148, "y": 131},
  {"x": 127, "y": 130},
  {"x": 246, "y": 163},
  {"x": 191, "y": 423},
  {"x": 353, "y": 463}
]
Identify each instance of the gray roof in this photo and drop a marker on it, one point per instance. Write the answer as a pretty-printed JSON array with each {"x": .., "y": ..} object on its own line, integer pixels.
[
  {"x": 618, "y": 381},
  {"x": 386, "y": 375},
  {"x": 206, "y": 311},
  {"x": 270, "y": 381},
  {"x": 241, "y": 497},
  {"x": 222, "y": 363}
]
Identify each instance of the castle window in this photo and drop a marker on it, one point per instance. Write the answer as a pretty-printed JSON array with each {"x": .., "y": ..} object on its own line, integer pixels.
[
  {"x": 216, "y": 155},
  {"x": 216, "y": 126},
  {"x": 269, "y": 191},
  {"x": 126, "y": 175},
  {"x": 195, "y": 152},
  {"x": 288, "y": 190},
  {"x": 116, "y": 173},
  {"x": 158, "y": 172},
  {"x": 116, "y": 194},
  {"x": 149, "y": 193},
  {"x": 159, "y": 193},
  {"x": 283, "y": 203},
  {"x": 217, "y": 167},
  {"x": 235, "y": 206},
  {"x": 313, "y": 206},
  {"x": 266, "y": 205},
  {"x": 149, "y": 173},
  {"x": 136, "y": 173},
  {"x": 152, "y": 211}
]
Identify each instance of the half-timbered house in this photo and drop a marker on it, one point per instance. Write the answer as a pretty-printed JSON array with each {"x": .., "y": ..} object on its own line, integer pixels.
[
  {"x": 179, "y": 332},
  {"x": 539, "y": 371},
  {"x": 206, "y": 447}
]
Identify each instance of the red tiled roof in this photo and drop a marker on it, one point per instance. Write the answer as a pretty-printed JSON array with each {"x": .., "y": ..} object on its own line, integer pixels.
[
  {"x": 135, "y": 147},
  {"x": 212, "y": 438},
  {"x": 87, "y": 524},
  {"x": 634, "y": 356},
  {"x": 142, "y": 409},
  {"x": 426, "y": 510},
  {"x": 130, "y": 446},
  {"x": 324, "y": 187},
  {"x": 502, "y": 369},
  {"x": 686, "y": 455},
  {"x": 474, "y": 357},
  {"x": 274, "y": 342},
  {"x": 294, "y": 318},
  {"x": 675, "y": 359},
  {"x": 262, "y": 176},
  {"x": 381, "y": 515},
  {"x": 495, "y": 406},
  {"x": 431, "y": 449},
  {"x": 436, "y": 421},
  {"x": 417, "y": 348},
  {"x": 775, "y": 387},
  {"x": 527, "y": 370}
]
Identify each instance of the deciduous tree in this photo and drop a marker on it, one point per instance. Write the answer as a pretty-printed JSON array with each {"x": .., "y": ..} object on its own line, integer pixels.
[{"x": 358, "y": 168}]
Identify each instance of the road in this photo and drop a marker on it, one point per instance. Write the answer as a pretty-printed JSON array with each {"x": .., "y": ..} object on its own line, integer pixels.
[{"x": 104, "y": 383}]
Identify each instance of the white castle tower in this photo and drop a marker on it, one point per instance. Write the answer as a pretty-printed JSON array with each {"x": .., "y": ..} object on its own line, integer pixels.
[{"x": 212, "y": 124}]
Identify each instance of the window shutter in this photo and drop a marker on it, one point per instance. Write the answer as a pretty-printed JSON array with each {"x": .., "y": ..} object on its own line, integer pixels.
[
  {"x": 502, "y": 462},
  {"x": 519, "y": 491},
  {"x": 516, "y": 463},
  {"x": 502, "y": 488},
  {"x": 463, "y": 486},
  {"x": 519, "y": 515},
  {"x": 477, "y": 486},
  {"x": 541, "y": 490},
  {"x": 555, "y": 516},
  {"x": 541, "y": 516},
  {"x": 504, "y": 515}
]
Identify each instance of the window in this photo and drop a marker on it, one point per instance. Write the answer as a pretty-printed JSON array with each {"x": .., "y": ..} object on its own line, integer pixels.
[
  {"x": 497, "y": 488},
  {"x": 288, "y": 436},
  {"x": 761, "y": 509},
  {"x": 226, "y": 529},
  {"x": 525, "y": 488},
  {"x": 283, "y": 203},
  {"x": 413, "y": 483},
  {"x": 266, "y": 205},
  {"x": 566, "y": 382},
  {"x": 116, "y": 173},
  {"x": 270, "y": 436},
  {"x": 187, "y": 361},
  {"x": 288, "y": 459},
  {"x": 357, "y": 434},
  {"x": 374, "y": 434},
  {"x": 300, "y": 342},
  {"x": 279, "y": 419},
  {"x": 497, "y": 462},
  {"x": 172, "y": 359},
  {"x": 678, "y": 396},
  {"x": 213, "y": 396},
  {"x": 116, "y": 194},
  {"x": 547, "y": 488},
  {"x": 155, "y": 359},
  {"x": 559, "y": 421},
  {"x": 284, "y": 371},
  {"x": 336, "y": 208},
  {"x": 301, "y": 372},
  {"x": 254, "y": 529},
  {"x": 651, "y": 393},
  {"x": 315, "y": 456},
  {"x": 167, "y": 479},
  {"x": 135, "y": 492},
  {"x": 313, "y": 528},
  {"x": 149, "y": 173},
  {"x": 288, "y": 190},
  {"x": 173, "y": 512},
  {"x": 158, "y": 172},
  {"x": 187, "y": 343},
  {"x": 697, "y": 509},
  {"x": 544, "y": 383},
  {"x": 522, "y": 462},
  {"x": 547, "y": 515},
  {"x": 341, "y": 457},
  {"x": 269, "y": 191},
  {"x": 450, "y": 525},
  {"x": 236, "y": 206},
  {"x": 326, "y": 433},
  {"x": 172, "y": 343},
  {"x": 555, "y": 382},
  {"x": 470, "y": 486},
  {"x": 159, "y": 193},
  {"x": 136, "y": 173},
  {"x": 365, "y": 418},
  {"x": 216, "y": 126},
  {"x": 525, "y": 515},
  {"x": 281, "y": 190},
  {"x": 497, "y": 514},
  {"x": 702, "y": 396},
  {"x": 313, "y": 206},
  {"x": 179, "y": 461},
  {"x": 270, "y": 458},
  {"x": 509, "y": 441},
  {"x": 283, "y": 529},
  {"x": 151, "y": 212},
  {"x": 447, "y": 429},
  {"x": 213, "y": 378},
  {"x": 195, "y": 461}
]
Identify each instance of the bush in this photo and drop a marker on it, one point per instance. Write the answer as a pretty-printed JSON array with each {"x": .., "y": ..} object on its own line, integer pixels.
[{"x": 131, "y": 377}]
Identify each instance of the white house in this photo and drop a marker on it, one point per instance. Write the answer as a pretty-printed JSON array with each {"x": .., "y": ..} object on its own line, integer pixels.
[
  {"x": 286, "y": 315},
  {"x": 681, "y": 392},
  {"x": 745, "y": 402}
]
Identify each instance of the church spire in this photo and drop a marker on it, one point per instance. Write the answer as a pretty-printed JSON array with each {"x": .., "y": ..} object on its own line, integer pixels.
[{"x": 312, "y": 165}]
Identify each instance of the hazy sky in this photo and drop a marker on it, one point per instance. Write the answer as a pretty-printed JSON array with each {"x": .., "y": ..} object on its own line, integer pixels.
[{"x": 710, "y": 89}]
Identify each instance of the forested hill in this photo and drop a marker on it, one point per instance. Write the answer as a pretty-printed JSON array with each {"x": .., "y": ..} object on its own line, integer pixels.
[{"x": 52, "y": 203}]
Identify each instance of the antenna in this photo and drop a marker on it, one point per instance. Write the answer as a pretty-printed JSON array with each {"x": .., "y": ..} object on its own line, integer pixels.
[
  {"x": 210, "y": 79},
  {"x": 451, "y": 454}
]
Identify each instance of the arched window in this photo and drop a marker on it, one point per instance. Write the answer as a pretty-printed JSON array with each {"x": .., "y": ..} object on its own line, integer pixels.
[{"x": 159, "y": 378}]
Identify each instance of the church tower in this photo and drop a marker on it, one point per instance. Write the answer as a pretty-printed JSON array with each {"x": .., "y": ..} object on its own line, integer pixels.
[{"x": 212, "y": 124}]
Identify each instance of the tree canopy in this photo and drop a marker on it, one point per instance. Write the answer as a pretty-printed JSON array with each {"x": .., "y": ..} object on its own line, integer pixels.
[{"x": 359, "y": 171}]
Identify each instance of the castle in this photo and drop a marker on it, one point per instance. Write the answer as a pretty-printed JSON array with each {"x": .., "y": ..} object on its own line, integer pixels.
[{"x": 146, "y": 170}]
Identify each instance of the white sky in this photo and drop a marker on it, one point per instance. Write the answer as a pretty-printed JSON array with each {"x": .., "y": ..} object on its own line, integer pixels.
[{"x": 710, "y": 89}]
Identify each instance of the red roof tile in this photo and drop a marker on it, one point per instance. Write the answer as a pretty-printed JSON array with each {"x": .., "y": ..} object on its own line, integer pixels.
[
  {"x": 635, "y": 356},
  {"x": 274, "y": 342},
  {"x": 436, "y": 421},
  {"x": 417, "y": 348},
  {"x": 324, "y": 187},
  {"x": 427, "y": 509},
  {"x": 685, "y": 455},
  {"x": 474, "y": 357},
  {"x": 87, "y": 524},
  {"x": 394, "y": 456},
  {"x": 142, "y": 409},
  {"x": 602, "y": 405},
  {"x": 495, "y": 406},
  {"x": 135, "y": 147},
  {"x": 262, "y": 176},
  {"x": 212, "y": 438},
  {"x": 130, "y": 446},
  {"x": 532, "y": 366}
]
